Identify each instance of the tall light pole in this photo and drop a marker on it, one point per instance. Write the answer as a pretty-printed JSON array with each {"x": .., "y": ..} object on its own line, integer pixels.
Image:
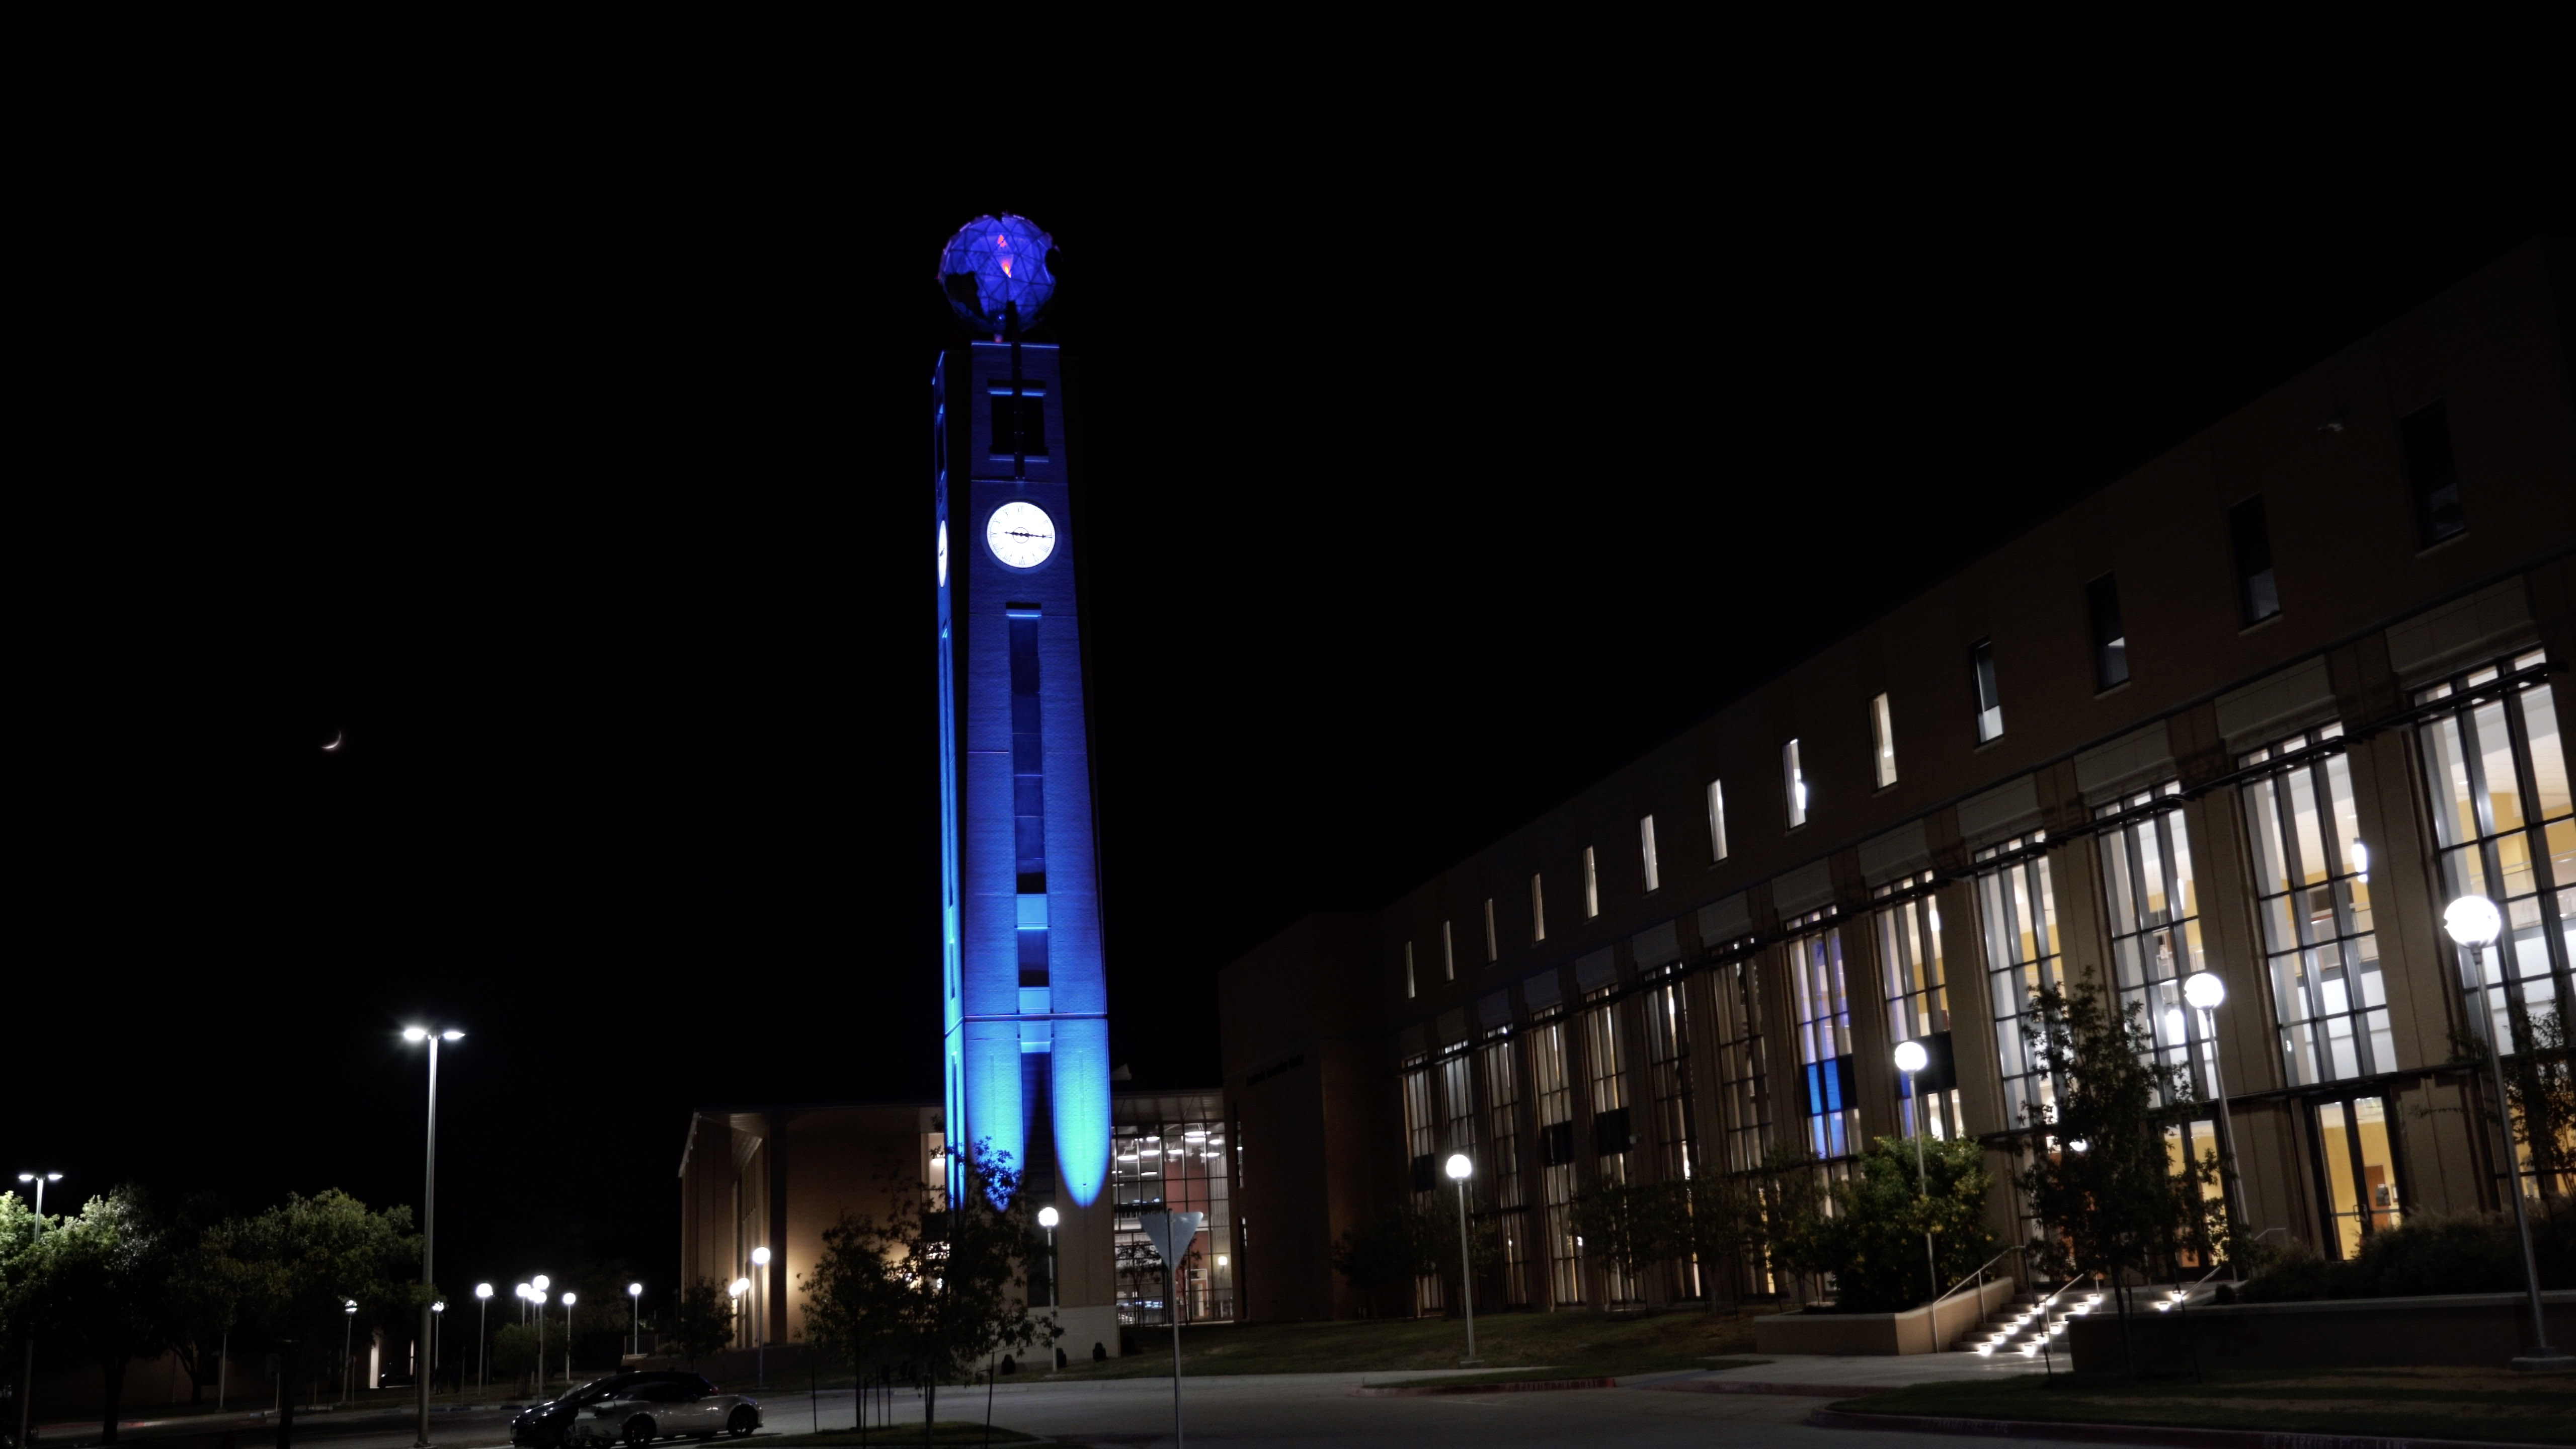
[
  {"x": 567, "y": 1302},
  {"x": 348, "y": 1360},
  {"x": 1910, "y": 1059},
  {"x": 27, "y": 1381},
  {"x": 1048, "y": 1217},
  {"x": 635, "y": 1319},
  {"x": 760, "y": 1316},
  {"x": 1460, "y": 1168},
  {"x": 428, "y": 1224},
  {"x": 437, "y": 1331},
  {"x": 2207, "y": 993},
  {"x": 537, "y": 1310},
  {"x": 482, "y": 1334},
  {"x": 2473, "y": 923}
]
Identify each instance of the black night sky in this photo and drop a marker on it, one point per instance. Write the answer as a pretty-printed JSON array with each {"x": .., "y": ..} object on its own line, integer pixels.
[{"x": 556, "y": 427}]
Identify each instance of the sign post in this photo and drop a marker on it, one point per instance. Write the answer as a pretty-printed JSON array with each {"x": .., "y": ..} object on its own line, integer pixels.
[{"x": 1171, "y": 1234}]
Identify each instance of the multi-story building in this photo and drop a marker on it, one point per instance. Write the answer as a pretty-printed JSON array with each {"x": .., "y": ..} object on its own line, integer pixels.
[{"x": 2260, "y": 708}]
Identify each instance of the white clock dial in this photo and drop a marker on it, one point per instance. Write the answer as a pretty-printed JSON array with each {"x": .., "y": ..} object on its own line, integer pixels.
[
  {"x": 943, "y": 553},
  {"x": 1020, "y": 534}
]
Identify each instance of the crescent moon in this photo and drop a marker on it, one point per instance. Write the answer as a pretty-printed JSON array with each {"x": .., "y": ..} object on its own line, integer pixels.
[{"x": 337, "y": 737}]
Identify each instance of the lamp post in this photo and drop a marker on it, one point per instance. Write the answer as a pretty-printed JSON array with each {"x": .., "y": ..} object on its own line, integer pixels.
[
  {"x": 1460, "y": 1168},
  {"x": 568, "y": 1297},
  {"x": 1910, "y": 1059},
  {"x": 2207, "y": 993},
  {"x": 2473, "y": 923},
  {"x": 437, "y": 1332},
  {"x": 735, "y": 1290},
  {"x": 760, "y": 1317},
  {"x": 1048, "y": 1217},
  {"x": 27, "y": 1381},
  {"x": 635, "y": 1317},
  {"x": 537, "y": 1311},
  {"x": 482, "y": 1333},
  {"x": 348, "y": 1361},
  {"x": 428, "y": 1222}
]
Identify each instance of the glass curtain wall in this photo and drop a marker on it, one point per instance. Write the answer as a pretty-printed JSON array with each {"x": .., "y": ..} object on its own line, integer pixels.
[
  {"x": 2312, "y": 880},
  {"x": 1613, "y": 1125},
  {"x": 1918, "y": 997},
  {"x": 2497, "y": 775},
  {"x": 2017, "y": 916},
  {"x": 1743, "y": 1096},
  {"x": 1667, "y": 1009},
  {"x": 2357, "y": 1168},
  {"x": 1822, "y": 1021},
  {"x": 1556, "y": 1161},
  {"x": 1502, "y": 1189},
  {"x": 1176, "y": 1161},
  {"x": 2154, "y": 915},
  {"x": 2188, "y": 1147},
  {"x": 1422, "y": 1142}
]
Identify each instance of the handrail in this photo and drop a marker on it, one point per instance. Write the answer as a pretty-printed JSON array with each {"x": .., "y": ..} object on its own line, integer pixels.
[{"x": 1978, "y": 1272}]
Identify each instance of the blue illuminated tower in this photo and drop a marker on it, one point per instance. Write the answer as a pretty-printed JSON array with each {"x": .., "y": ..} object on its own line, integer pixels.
[{"x": 1027, "y": 1027}]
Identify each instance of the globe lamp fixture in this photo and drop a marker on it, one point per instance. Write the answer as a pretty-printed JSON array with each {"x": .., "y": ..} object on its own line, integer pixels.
[
  {"x": 541, "y": 1282},
  {"x": 760, "y": 1257},
  {"x": 2473, "y": 922},
  {"x": 634, "y": 1290},
  {"x": 1911, "y": 1057},
  {"x": 1048, "y": 1217},
  {"x": 2204, "y": 990},
  {"x": 482, "y": 1290},
  {"x": 998, "y": 273},
  {"x": 1460, "y": 1168}
]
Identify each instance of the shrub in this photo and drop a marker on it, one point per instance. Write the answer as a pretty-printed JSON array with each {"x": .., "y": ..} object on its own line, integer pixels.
[{"x": 2429, "y": 1255}]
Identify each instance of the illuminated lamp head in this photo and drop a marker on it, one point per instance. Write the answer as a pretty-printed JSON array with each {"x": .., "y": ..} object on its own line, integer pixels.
[{"x": 998, "y": 273}]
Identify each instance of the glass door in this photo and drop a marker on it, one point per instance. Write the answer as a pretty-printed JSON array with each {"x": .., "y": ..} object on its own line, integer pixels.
[{"x": 2357, "y": 1156}]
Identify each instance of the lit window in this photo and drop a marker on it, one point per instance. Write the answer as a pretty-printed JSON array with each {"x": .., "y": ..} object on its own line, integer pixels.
[
  {"x": 1493, "y": 942},
  {"x": 1448, "y": 955},
  {"x": 1538, "y": 910},
  {"x": 1408, "y": 971},
  {"x": 1716, "y": 821},
  {"x": 1882, "y": 741},
  {"x": 1990, "y": 700},
  {"x": 1646, "y": 848},
  {"x": 1591, "y": 885},
  {"x": 2110, "y": 641},
  {"x": 2258, "y": 597},
  {"x": 1793, "y": 784},
  {"x": 2432, "y": 474}
]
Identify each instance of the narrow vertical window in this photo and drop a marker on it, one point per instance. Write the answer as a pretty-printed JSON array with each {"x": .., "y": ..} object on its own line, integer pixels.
[
  {"x": 2110, "y": 641},
  {"x": 2257, "y": 596},
  {"x": 1882, "y": 741},
  {"x": 1448, "y": 954},
  {"x": 2432, "y": 474},
  {"x": 1716, "y": 821},
  {"x": 1646, "y": 849},
  {"x": 1793, "y": 784},
  {"x": 1591, "y": 885},
  {"x": 1493, "y": 942},
  {"x": 1538, "y": 910},
  {"x": 1409, "y": 991},
  {"x": 1028, "y": 795},
  {"x": 1990, "y": 699}
]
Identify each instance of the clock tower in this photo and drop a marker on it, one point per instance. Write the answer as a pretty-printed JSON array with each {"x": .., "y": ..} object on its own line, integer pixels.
[{"x": 1026, "y": 1045}]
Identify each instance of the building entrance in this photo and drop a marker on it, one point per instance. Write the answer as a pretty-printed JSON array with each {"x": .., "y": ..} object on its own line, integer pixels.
[{"x": 2357, "y": 1157}]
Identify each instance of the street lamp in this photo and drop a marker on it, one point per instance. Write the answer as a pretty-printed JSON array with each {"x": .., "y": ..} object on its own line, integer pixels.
[
  {"x": 1048, "y": 1217},
  {"x": 568, "y": 1297},
  {"x": 537, "y": 1310},
  {"x": 27, "y": 1382},
  {"x": 428, "y": 1218},
  {"x": 482, "y": 1333},
  {"x": 759, "y": 1318},
  {"x": 2206, "y": 993},
  {"x": 437, "y": 1332},
  {"x": 1460, "y": 1168},
  {"x": 635, "y": 1305},
  {"x": 348, "y": 1361},
  {"x": 1910, "y": 1059},
  {"x": 2473, "y": 923}
]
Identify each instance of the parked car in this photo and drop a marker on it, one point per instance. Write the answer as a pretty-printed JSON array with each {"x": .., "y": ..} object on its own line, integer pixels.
[
  {"x": 551, "y": 1425},
  {"x": 669, "y": 1409}
]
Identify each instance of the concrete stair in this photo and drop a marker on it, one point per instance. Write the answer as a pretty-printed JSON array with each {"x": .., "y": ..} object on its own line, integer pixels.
[{"x": 2020, "y": 1326}]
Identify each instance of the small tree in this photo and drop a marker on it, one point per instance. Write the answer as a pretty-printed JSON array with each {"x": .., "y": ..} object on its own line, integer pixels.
[
  {"x": 101, "y": 1284},
  {"x": 701, "y": 1325},
  {"x": 1385, "y": 1253},
  {"x": 1873, "y": 1239},
  {"x": 299, "y": 1265},
  {"x": 1632, "y": 1227},
  {"x": 2100, "y": 1177},
  {"x": 2540, "y": 1095},
  {"x": 514, "y": 1349}
]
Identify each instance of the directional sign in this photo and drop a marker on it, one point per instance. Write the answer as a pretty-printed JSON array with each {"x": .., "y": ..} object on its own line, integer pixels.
[{"x": 1171, "y": 1233}]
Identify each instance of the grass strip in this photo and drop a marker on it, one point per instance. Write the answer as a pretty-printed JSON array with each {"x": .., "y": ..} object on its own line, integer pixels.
[{"x": 1553, "y": 1373}]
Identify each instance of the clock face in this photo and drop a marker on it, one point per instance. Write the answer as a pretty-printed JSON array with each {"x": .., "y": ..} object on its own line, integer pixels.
[
  {"x": 1020, "y": 534},
  {"x": 943, "y": 553}
]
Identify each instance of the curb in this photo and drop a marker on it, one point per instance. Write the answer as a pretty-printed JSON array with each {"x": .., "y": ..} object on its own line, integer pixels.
[
  {"x": 1524, "y": 1386},
  {"x": 2166, "y": 1436},
  {"x": 1749, "y": 1386}
]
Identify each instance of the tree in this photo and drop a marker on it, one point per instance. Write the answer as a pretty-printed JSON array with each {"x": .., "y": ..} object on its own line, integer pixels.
[
  {"x": 1873, "y": 1239},
  {"x": 702, "y": 1324},
  {"x": 2099, "y": 1175},
  {"x": 299, "y": 1265},
  {"x": 1632, "y": 1227},
  {"x": 940, "y": 1280},
  {"x": 1386, "y": 1252},
  {"x": 515, "y": 1348},
  {"x": 2540, "y": 1095},
  {"x": 101, "y": 1285},
  {"x": 205, "y": 1289}
]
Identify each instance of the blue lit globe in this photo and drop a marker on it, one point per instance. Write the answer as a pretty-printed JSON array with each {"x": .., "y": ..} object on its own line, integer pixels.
[{"x": 994, "y": 264}]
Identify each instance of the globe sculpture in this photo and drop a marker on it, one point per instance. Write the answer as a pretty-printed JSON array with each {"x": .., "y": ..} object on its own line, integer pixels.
[{"x": 996, "y": 273}]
